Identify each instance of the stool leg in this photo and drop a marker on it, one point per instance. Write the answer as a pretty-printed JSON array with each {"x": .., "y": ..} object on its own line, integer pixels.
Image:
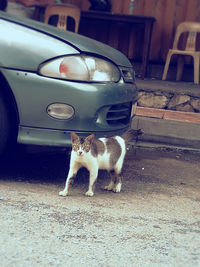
[
  {"x": 166, "y": 65},
  {"x": 196, "y": 69}
]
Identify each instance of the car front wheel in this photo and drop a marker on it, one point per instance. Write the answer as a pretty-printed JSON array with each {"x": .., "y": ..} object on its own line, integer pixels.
[{"x": 5, "y": 127}]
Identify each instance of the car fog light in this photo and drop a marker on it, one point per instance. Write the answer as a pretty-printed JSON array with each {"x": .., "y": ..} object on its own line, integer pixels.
[{"x": 60, "y": 111}]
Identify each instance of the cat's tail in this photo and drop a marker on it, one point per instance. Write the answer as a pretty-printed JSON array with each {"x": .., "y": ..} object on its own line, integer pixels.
[{"x": 131, "y": 134}]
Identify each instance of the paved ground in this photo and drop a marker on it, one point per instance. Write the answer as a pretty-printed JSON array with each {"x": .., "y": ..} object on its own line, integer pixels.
[{"x": 154, "y": 221}]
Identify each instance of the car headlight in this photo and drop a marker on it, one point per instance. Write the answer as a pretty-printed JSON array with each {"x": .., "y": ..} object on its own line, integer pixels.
[{"x": 81, "y": 68}]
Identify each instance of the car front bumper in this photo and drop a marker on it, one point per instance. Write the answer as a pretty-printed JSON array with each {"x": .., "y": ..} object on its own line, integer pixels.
[{"x": 104, "y": 109}]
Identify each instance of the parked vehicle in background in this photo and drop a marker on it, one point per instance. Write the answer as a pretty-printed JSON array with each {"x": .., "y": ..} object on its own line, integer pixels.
[{"x": 54, "y": 81}]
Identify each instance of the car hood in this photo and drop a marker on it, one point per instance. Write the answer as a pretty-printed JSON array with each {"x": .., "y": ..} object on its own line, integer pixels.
[{"x": 77, "y": 42}]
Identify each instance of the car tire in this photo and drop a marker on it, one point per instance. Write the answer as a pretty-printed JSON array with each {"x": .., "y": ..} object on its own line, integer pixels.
[{"x": 5, "y": 127}]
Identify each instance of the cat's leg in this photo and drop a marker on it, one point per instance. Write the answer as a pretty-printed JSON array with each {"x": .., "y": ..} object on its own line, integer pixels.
[
  {"x": 112, "y": 181},
  {"x": 92, "y": 180},
  {"x": 72, "y": 173},
  {"x": 118, "y": 184},
  {"x": 115, "y": 182},
  {"x": 118, "y": 170}
]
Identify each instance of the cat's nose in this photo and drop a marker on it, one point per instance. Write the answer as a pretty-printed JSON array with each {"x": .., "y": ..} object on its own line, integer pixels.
[{"x": 80, "y": 153}]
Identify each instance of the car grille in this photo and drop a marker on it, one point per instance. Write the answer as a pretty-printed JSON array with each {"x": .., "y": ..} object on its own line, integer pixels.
[
  {"x": 115, "y": 116},
  {"x": 119, "y": 114}
]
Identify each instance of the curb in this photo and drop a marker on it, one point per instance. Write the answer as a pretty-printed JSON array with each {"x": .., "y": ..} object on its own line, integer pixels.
[
  {"x": 168, "y": 114},
  {"x": 167, "y": 128}
]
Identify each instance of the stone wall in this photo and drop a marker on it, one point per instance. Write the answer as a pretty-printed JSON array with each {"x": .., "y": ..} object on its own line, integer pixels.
[{"x": 169, "y": 100}]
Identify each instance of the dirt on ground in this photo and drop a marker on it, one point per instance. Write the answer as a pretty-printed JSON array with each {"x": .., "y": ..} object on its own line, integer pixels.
[{"x": 154, "y": 221}]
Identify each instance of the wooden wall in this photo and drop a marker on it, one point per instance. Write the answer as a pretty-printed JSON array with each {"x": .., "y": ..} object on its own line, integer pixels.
[{"x": 168, "y": 14}]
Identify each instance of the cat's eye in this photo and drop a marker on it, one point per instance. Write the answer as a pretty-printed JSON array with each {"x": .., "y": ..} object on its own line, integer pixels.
[{"x": 81, "y": 68}]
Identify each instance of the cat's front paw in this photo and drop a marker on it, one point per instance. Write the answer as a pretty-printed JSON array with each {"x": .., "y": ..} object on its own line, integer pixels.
[
  {"x": 89, "y": 194},
  {"x": 117, "y": 189},
  {"x": 63, "y": 193}
]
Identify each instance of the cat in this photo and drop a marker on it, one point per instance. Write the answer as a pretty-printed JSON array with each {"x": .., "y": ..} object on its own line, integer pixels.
[{"x": 94, "y": 154}]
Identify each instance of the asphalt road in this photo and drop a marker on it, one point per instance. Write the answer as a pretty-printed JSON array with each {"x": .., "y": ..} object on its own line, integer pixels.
[{"x": 154, "y": 221}]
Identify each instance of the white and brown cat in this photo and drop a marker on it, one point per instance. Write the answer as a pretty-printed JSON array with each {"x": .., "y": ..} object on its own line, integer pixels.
[{"x": 94, "y": 154}]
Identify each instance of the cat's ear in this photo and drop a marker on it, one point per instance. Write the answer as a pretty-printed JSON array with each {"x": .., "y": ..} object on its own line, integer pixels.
[
  {"x": 74, "y": 137},
  {"x": 90, "y": 138}
]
